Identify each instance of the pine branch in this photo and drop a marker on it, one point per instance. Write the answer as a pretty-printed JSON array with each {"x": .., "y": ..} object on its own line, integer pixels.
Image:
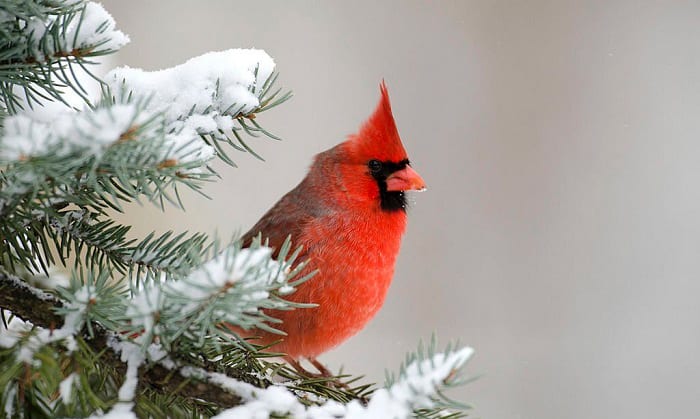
[
  {"x": 97, "y": 243},
  {"x": 107, "y": 248},
  {"x": 29, "y": 303},
  {"x": 217, "y": 106},
  {"x": 192, "y": 377},
  {"x": 96, "y": 160},
  {"x": 161, "y": 378},
  {"x": 45, "y": 44},
  {"x": 39, "y": 308},
  {"x": 418, "y": 392},
  {"x": 229, "y": 289},
  {"x": 35, "y": 190}
]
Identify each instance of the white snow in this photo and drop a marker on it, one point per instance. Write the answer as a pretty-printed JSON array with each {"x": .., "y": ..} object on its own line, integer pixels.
[
  {"x": 16, "y": 328},
  {"x": 22, "y": 138},
  {"x": 156, "y": 353},
  {"x": 214, "y": 80},
  {"x": 132, "y": 355},
  {"x": 251, "y": 271},
  {"x": 43, "y": 337},
  {"x": 121, "y": 410},
  {"x": 260, "y": 403},
  {"x": 247, "y": 273},
  {"x": 75, "y": 318},
  {"x": 185, "y": 146},
  {"x": 55, "y": 278},
  {"x": 72, "y": 324},
  {"x": 273, "y": 399},
  {"x": 200, "y": 96},
  {"x": 65, "y": 387},
  {"x": 90, "y": 132},
  {"x": 94, "y": 30},
  {"x": 143, "y": 308},
  {"x": 97, "y": 29},
  {"x": 98, "y": 129},
  {"x": 250, "y": 268},
  {"x": 10, "y": 400},
  {"x": 419, "y": 383},
  {"x": 413, "y": 391}
]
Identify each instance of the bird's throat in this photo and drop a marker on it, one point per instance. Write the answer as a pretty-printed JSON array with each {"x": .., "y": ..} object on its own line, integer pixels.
[{"x": 391, "y": 201}]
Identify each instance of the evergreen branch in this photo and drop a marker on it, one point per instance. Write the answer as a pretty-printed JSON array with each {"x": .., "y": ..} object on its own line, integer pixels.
[
  {"x": 29, "y": 303},
  {"x": 227, "y": 291},
  {"x": 216, "y": 104},
  {"x": 98, "y": 244},
  {"x": 115, "y": 153},
  {"x": 101, "y": 348},
  {"x": 413, "y": 394},
  {"x": 26, "y": 241},
  {"x": 107, "y": 247},
  {"x": 40, "y": 309},
  {"x": 41, "y": 43},
  {"x": 166, "y": 257},
  {"x": 41, "y": 181},
  {"x": 197, "y": 382},
  {"x": 424, "y": 376}
]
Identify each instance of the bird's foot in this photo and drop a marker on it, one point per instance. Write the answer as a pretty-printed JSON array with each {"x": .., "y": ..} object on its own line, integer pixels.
[
  {"x": 320, "y": 367},
  {"x": 323, "y": 372}
]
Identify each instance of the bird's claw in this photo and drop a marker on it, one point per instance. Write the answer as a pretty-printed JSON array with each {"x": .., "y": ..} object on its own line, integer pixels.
[{"x": 323, "y": 372}]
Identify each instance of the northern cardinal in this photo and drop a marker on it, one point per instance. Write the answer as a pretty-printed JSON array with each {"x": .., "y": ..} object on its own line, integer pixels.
[{"x": 349, "y": 214}]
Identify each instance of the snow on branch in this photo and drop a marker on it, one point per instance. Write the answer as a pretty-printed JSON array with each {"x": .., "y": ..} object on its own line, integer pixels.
[
  {"x": 204, "y": 89},
  {"x": 170, "y": 122},
  {"x": 208, "y": 96},
  {"x": 72, "y": 324},
  {"x": 89, "y": 29},
  {"x": 419, "y": 386},
  {"x": 46, "y": 46},
  {"x": 92, "y": 132},
  {"x": 132, "y": 355},
  {"x": 114, "y": 153},
  {"x": 29, "y": 322},
  {"x": 151, "y": 133},
  {"x": 232, "y": 289},
  {"x": 85, "y": 133}
]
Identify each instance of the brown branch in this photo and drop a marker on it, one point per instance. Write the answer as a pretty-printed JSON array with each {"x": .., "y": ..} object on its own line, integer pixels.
[
  {"x": 38, "y": 307},
  {"x": 29, "y": 303},
  {"x": 75, "y": 53}
]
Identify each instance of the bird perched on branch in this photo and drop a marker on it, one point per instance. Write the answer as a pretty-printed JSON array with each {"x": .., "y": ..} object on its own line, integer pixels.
[{"x": 349, "y": 214}]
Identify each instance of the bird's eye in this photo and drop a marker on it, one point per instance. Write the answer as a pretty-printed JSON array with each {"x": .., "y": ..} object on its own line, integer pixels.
[{"x": 375, "y": 166}]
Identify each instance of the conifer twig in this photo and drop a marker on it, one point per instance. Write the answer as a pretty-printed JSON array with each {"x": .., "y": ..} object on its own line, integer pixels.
[{"x": 37, "y": 307}]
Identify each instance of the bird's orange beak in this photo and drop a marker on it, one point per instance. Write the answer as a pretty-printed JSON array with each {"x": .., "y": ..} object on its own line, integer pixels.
[{"x": 405, "y": 179}]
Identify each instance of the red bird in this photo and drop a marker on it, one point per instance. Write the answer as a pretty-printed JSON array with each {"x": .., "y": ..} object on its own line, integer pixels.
[{"x": 349, "y": 214}]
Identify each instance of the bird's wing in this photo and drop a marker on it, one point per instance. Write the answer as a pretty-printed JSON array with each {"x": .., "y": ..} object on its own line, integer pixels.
[{"x": 287, "y": 217}]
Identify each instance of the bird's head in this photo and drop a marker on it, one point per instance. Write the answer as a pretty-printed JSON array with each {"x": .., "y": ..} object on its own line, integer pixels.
[{"x": 373, "y": 163}]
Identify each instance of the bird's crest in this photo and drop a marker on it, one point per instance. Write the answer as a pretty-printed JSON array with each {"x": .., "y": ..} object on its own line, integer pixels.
[{"x": 378, "y": 137}]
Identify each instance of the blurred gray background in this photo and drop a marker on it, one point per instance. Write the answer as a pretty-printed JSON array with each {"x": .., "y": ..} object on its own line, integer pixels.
[{"x": 560, "y": 232}]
